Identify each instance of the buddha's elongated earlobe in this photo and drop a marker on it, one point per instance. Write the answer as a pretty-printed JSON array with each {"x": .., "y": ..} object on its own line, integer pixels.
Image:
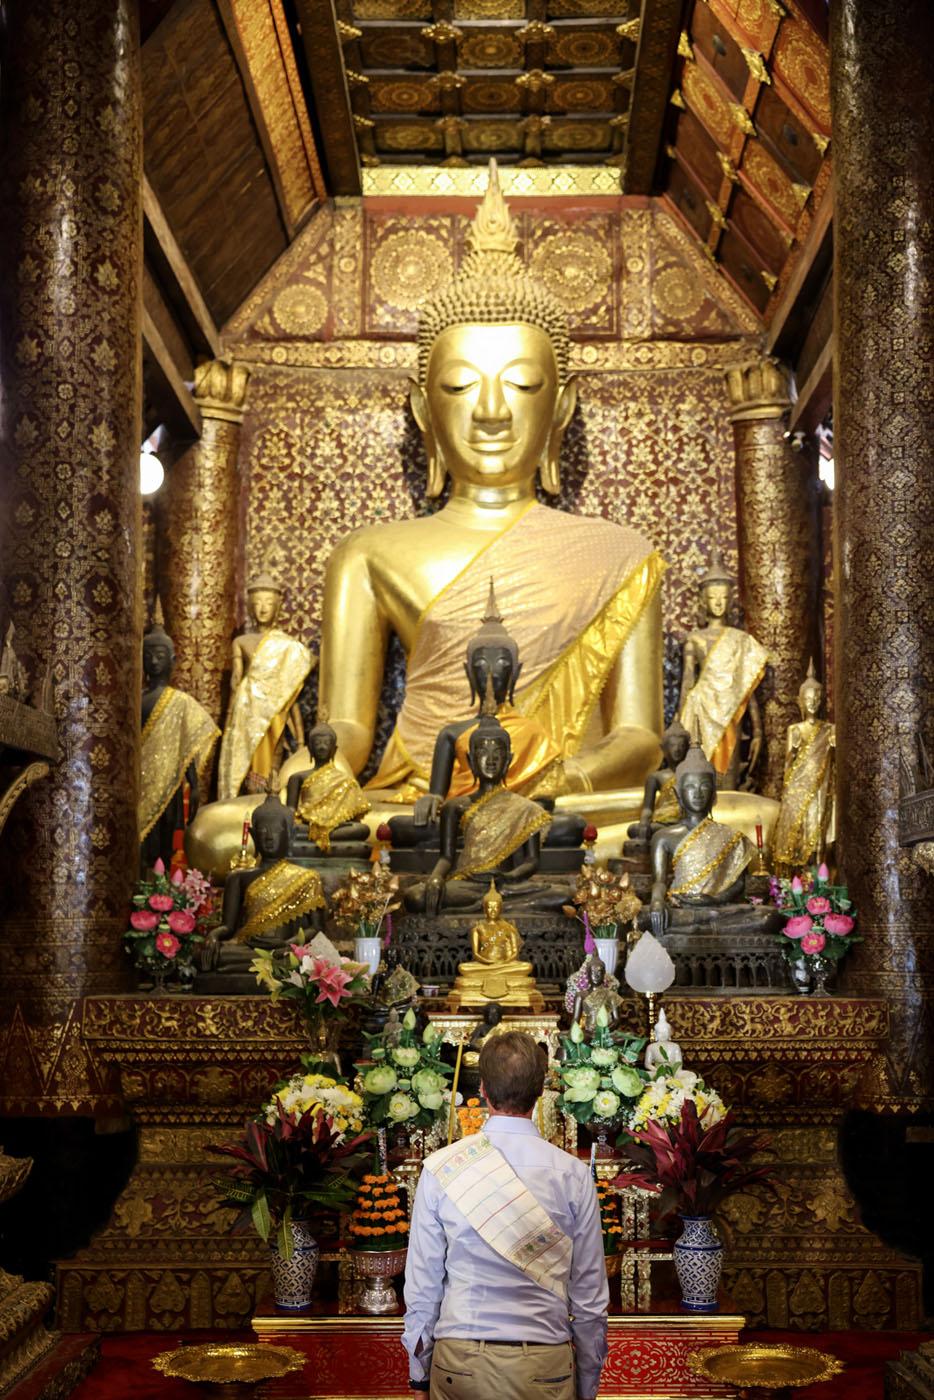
[
  {"x": 437, "y": 472},
  {"x": 550, "y": 471}
]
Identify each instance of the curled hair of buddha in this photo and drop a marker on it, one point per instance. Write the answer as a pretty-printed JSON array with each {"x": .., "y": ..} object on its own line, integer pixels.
[
  {"x": 694, "y": 761},
  {"x": 272, "y": 809},
  {"x": 493, "y": 287},
  {"x": 321, "y": 726}
]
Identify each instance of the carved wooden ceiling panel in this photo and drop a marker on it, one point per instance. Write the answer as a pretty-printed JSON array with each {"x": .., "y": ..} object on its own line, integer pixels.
[
  {"x": 748, "y": 132},
  {"x": 531, "y": 81}
]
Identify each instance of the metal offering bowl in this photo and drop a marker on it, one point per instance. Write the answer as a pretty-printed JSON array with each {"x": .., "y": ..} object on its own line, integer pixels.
[
  {"x": 229, "y": 1364},
  {"x": 756, "y": 1369}
]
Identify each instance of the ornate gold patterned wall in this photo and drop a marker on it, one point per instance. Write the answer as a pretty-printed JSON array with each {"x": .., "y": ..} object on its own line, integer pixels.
[{"x": 329, "y": 443}]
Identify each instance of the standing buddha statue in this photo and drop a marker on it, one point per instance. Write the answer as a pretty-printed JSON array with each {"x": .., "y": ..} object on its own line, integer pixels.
[
  {"x": 722, "y": 667},
  {"x": 178, "y": 738},
  {"x": 807, "y": 794},
  {"x": 493, "y": 398},
  {"x": 268, "y": 670}
]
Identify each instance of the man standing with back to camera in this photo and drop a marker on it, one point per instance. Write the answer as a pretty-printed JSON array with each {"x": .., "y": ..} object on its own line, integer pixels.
[{"x": 505, "y": 1265}]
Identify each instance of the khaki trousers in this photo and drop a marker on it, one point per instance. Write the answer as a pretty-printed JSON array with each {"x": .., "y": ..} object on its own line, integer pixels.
[{"x": 462, "y": 1370}]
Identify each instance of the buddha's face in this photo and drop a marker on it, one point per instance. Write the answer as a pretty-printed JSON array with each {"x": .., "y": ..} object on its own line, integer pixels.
[
  {"x": 597, "y": 973},
  {"x": 696, "y": 792},
  {"x": 264, "y": 605},
  {"x": 809, "y": 699},
  {"x": 270, "y": 835},
  {"x": 323, "y": 746},
  {"x": 492, "y": 408},
  {"x": 717, "y": 600},
  {"x": 489, "y": 757},
  {"x": 497, "y": 662},
  {"x": 158, "y": 658},
  {"x": 675, "y": 748}
]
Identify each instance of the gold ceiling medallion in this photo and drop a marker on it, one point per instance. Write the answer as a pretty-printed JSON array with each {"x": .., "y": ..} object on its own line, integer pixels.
[
  {"x": 684, "y": 46},
  {"x": 716, "y": 213},
  {"x": 728, "y": 168},
  {"x": 756, "y": 65},
  {"x": 741, "y": 118}
]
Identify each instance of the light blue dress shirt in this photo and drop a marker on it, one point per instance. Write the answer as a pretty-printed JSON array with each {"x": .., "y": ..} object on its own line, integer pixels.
[{"x": 457, "y": 1286}]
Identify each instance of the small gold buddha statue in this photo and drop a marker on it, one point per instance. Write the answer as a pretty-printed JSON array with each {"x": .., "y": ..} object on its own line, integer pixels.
[
  {"x": 326, "y": 799},
  {"x": 267, "y": 672},
  {"x": 722, "y": 667},
  {"x": 493, "y": 400},
  {"x": 800, "y": 835},
  {"x": 497, "y": 974}
]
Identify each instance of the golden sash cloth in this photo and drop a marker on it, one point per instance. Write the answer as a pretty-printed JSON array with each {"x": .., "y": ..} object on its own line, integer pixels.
[
  {"x": 667, "y": 807},
  {"x": 281, "y": 894},
  {"x": 572, "y": 588},
  {"x": 509, "y": 819},
  {"x": 734, "y": 666},
  {"x": 480, "y": 1183},
  {"x": 260, "y": 709},
  {"x": 536, "y": 768},
  {"x": 797, "y": 833},
  {"x": 328, "y": 799},
  {"x": 709, "y": 859},
  {"x": 178, "y": 732}
]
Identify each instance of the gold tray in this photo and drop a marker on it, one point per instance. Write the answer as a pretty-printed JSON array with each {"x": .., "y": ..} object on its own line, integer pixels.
[
  {"x": 757, "y": 1366},
  {"x": 229, "y": 1363}
]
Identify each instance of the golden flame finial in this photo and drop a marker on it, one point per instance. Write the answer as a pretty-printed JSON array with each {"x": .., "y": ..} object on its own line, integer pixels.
[{"x": 493, "y": 229}]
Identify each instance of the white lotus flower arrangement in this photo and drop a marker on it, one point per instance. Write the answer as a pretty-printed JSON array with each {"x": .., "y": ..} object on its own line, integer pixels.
[
  {"x": 601, "y": 1080},
  {"x": 405, "y": 1083}
]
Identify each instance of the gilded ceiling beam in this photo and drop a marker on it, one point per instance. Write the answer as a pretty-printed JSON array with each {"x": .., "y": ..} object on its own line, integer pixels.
[
  {"x": 659, "y": 33},
  {"x": 329, "y": 93}
]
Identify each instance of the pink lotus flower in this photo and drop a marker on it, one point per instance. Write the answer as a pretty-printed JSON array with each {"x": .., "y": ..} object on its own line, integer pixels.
[
  {"x": 182, "y": 921},
  {"x": 177, "y": 876},
  {"x": 796, "y": 885},
  {"x": 799, "y": 926},
  {"x": 162, "y": 903},
  {"x": 143, "y": 920},
  {"x": 838, "y": 924},
  {"x": 822, "y": 872},
  {"x": 813, "y": 942},
  {"x": 159, "y": 867},
  {"x": 818, "y": 904},
  {"x": 167, "y": 944}
]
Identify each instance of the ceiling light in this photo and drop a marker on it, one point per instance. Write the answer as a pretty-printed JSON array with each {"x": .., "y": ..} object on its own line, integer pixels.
[{"x": 151, "y": 472}]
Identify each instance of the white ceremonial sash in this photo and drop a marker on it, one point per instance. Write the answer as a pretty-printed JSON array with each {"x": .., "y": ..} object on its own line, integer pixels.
[{"x": 477, "y": 1179}]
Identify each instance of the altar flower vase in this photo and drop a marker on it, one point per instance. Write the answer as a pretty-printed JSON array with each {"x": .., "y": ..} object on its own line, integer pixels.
[
  {"x": 818, "y": 904},
  {"x": 838, "y": 924},
  {"x": 813, "y": 942},
  {"x": 699, "y": 1264},
  {"x": 799, "y": 926},
  {"x": 368, "y": 950},
  {"x": 293, "y": 1279},
  {"x": 608, "y": 953}
]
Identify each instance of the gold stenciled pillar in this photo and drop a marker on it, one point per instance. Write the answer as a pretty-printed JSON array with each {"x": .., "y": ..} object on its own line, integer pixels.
[
  {"x": 778, "y": 531},
  {"x": 883, "y": 145},
  {"x": 71, "y": 254},
  {"x": 200, "y": 537}
]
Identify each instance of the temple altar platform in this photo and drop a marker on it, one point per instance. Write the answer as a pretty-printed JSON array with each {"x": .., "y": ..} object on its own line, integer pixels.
[
  {"x": 192, "y": 1070},
  {"x": 351, "y": 1355}
]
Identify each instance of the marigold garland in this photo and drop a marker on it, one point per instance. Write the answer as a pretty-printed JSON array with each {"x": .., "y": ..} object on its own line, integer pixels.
[{"x": 379, "y": 1219}]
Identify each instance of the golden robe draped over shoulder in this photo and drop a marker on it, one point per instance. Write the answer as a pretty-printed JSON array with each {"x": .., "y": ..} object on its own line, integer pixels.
[
  {"x": 569, "y": 633},
  {"x": 280, "y": 895},
  {"x": 803, "y": 817},
  {"x": 260, "y": 709},
  {"x": 709, "y": 860},
  {"x": 178, "y": 732},
  {"x": 536, "y": 768},
  {"x": 328, "y": 799},
  {"x": 733, "y": 667},
  {"x": 667, "y": 807},
  {"x": 495, "y": 827}
]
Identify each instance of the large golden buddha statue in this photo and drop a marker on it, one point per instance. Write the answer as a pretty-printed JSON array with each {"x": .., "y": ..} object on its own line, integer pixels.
[{"x": 493, "y": 399}]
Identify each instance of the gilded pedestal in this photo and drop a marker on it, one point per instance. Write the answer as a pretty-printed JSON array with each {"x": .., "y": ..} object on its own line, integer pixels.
[
  {"x": 883, "y": 142},
  {"x": 778, "y": 530},
  {"x": 71, "y": 250},
  {"x": 200, "y": 538}
]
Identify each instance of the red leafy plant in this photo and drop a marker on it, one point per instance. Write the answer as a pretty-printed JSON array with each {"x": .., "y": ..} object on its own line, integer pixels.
[
  {"x": 284, "y": 1168},
  {"x": 693, "y": 1167}
]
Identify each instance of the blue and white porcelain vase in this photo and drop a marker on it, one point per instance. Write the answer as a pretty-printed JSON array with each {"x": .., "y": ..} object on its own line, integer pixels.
[
  {"x": 699, "y": 1264},
  {"x": 293, "y": 1279}
]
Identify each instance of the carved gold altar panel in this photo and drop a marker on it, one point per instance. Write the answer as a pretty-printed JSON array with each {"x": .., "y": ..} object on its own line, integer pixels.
[{"x": 193, "y": 1069}]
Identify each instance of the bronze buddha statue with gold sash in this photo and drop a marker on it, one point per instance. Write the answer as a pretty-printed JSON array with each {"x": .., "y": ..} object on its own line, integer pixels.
[
  {"x": 267, "y": 906},
  {"x": 493, "y": 399},
  {"x": 660, "y": 805},
  {"x": 327, "y": 801}
]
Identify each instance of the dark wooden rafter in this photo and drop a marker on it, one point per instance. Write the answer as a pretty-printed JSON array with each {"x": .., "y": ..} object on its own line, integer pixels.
[
  {"x": 655, "y": 55},
  {"x": 329, "y": 95}
]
